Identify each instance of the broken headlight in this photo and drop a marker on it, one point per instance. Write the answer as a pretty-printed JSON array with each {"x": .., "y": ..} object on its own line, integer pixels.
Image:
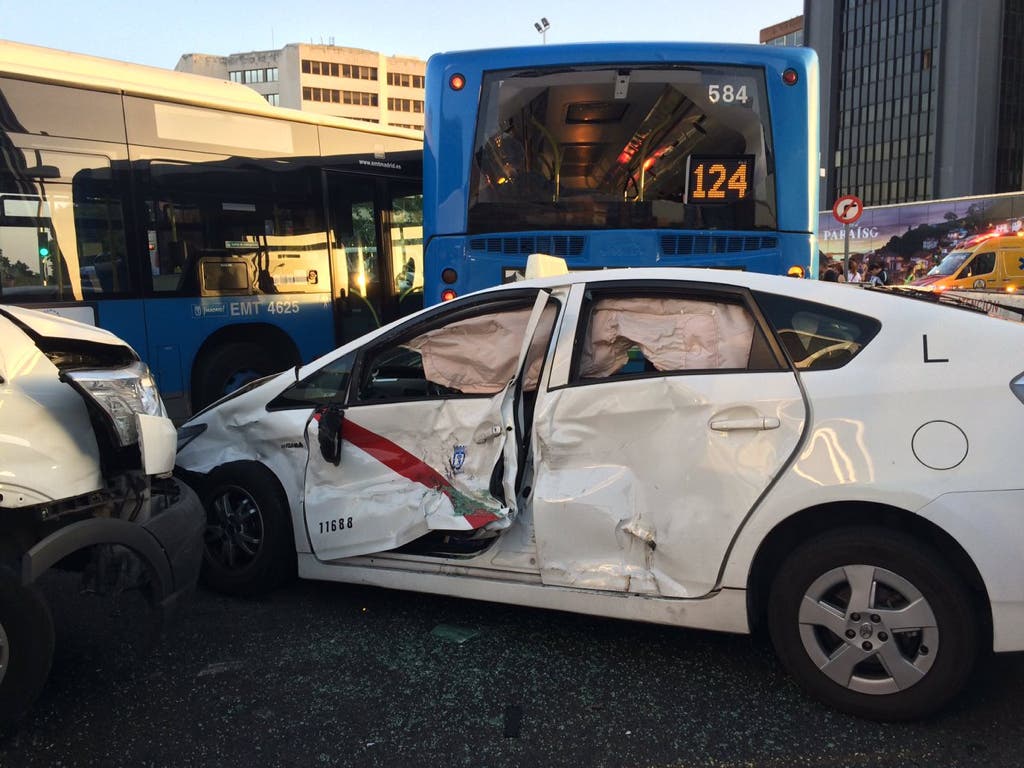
[{"x": 121, "y": 393}]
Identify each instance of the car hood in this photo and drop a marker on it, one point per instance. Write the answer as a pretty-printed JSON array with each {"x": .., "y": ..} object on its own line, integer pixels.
[{"x": 53, "y": 326}]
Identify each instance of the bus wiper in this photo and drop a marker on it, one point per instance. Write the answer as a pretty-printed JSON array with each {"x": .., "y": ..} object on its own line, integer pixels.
[{"x": 545, "y": 72}]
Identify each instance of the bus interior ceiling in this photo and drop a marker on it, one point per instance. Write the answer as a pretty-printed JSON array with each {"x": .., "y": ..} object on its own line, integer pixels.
[{"x": 603, "y": 142}]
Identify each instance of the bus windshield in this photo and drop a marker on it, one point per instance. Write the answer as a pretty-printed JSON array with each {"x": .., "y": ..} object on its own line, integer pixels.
[{"x": 624, "y": 146}]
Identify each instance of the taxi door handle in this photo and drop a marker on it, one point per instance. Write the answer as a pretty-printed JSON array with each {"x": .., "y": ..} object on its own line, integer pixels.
[
  {"x": 757, "y": 423},
  {"x": 486, "y": 432}
]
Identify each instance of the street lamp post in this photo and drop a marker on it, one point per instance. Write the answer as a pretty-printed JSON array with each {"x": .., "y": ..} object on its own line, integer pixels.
[{"x": 542, "y": 26}]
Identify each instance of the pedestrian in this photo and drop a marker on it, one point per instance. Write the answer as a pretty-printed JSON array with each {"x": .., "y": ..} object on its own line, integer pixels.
[
  {"x": 876, "y": 275},
  {"x": 853, "y": 276},
  {"x": 916, "y": 272},
  {"x": 830, "y": 275}
]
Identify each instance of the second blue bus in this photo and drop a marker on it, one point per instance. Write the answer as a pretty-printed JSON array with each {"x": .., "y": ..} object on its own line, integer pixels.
[{"x": 618, "y": 155}]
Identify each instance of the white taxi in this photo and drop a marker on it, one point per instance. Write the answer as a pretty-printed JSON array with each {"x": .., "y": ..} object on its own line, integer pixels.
[{"x": 690, "y": 447}]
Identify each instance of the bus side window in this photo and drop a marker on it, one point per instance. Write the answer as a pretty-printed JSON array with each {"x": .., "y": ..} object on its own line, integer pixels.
[{"x": 217, "y": 229}]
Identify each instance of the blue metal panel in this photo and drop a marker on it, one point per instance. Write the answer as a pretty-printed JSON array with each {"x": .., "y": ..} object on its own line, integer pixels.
[
  {"x": 178, "y": 328},
  {"x": 482, "y": 260}
]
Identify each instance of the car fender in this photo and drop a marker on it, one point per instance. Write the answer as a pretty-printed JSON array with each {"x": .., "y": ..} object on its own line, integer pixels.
[{"x": 87, "y": 533}]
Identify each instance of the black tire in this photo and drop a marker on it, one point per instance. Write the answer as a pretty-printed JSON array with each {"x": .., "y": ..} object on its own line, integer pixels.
[
  {"x": 26, "y": 647},
  {"x": 875, "y": 572},
  {"x": 249, "y": 547},
  {"x": 225, "y": 368}
]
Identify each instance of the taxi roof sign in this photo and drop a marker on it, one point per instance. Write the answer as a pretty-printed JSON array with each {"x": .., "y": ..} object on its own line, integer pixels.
[{"x": 543, "y": 265}]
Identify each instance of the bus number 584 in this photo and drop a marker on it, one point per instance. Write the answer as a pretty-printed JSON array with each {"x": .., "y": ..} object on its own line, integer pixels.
[{"x": 727, "y": 94}]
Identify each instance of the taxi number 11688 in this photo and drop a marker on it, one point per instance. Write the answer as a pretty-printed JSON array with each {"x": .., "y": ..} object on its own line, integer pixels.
[{"x": 335, "y": 525}]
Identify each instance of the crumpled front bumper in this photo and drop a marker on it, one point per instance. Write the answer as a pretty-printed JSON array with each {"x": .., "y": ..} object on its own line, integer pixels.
[{"x": 169, "y": 544}]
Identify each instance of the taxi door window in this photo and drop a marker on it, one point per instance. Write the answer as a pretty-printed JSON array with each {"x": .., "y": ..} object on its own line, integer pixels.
[
  {"x": 474, "y": 355},
  {"x": 661, "y": 334},
  {"x": 817, "y": 337}
]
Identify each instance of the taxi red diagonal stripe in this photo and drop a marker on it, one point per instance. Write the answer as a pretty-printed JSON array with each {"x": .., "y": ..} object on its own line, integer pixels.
[
  {"x": 394, "y": 456},
  {"x": 480, "y": 518},
  {"x": 399, "y": 460}
]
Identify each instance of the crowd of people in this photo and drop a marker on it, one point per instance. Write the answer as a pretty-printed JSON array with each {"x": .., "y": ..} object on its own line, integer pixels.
[{"x": 876, "y": 272}]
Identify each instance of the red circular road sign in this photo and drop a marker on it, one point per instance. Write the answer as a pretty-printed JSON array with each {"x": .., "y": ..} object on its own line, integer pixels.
[{"x": 848, "y": 209}]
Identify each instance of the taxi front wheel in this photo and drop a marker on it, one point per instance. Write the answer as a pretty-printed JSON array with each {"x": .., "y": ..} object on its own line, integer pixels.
[
  {"x": 873, "y": 623},
  {"x": 249, "y": 548}
]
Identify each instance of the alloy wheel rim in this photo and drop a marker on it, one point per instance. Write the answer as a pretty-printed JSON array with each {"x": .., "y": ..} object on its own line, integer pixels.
[
  {"x": 234, "y": 529},
  {"x": 868, "y": 629}
]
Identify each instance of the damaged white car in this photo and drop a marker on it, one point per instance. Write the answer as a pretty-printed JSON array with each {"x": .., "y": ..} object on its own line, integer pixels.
[
  {"x": 86, "y": 453},
  {"x": 690, "y": 447}
]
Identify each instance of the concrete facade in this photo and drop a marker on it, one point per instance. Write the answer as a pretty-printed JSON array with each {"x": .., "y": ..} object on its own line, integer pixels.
[{"x": 333, "y": 80}]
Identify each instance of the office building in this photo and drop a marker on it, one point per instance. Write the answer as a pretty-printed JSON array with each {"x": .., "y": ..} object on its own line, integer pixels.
[
  {"x": 347, "y": 82},
  {"x": 789, "y": 32},
  {"x": 920, "y": 99}
]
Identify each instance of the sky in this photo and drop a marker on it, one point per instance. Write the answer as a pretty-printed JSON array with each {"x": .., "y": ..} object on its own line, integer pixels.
[{"x": 158, "y": 33}]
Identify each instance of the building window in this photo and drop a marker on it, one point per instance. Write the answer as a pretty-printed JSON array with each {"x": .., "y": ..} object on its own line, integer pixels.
[
  {"x": 336, "y": 69},
  {"x": 405, "y": 80},
  {"x": 359, "y": 97},
  {"x": 405, "y": 105},
  {"x": 326, "y": 68},
  {"x": 329, "y": 95},
  {"x": 250, "y": 76},
  {"x": 357, "y": 72},
  {"x": 273, "y": 98}
]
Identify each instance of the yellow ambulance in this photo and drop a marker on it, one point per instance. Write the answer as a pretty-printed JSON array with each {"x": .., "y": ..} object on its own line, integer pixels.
[{"x": 993, "y": 263}]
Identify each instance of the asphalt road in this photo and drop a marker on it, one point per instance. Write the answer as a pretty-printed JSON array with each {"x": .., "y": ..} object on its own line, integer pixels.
[{"x": 321, "y": 675}]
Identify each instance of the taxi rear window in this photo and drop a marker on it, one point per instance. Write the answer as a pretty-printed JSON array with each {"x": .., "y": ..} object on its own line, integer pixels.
[{"x": 817, "y": 337}]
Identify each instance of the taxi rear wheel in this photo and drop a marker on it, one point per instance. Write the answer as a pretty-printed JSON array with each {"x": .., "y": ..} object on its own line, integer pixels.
[
  {"x": 248, "y": 547},
  {"x": 874, "y": 623}
]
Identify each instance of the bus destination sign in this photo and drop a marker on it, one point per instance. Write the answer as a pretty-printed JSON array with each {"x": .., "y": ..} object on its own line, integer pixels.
[{"x": 718, "y": 179}]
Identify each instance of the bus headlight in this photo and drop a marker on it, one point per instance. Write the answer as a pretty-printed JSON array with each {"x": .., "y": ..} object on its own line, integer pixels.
[{"x": 121, "y": 393}]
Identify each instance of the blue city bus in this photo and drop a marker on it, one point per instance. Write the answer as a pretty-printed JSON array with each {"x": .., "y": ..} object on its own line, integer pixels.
[
  {"x": 619, "y": 155},
  {"x": 223, "y": 238}
]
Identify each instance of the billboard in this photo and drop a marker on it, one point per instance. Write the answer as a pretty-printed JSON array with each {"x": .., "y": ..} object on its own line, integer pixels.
[{"x": 913, "y": 231}]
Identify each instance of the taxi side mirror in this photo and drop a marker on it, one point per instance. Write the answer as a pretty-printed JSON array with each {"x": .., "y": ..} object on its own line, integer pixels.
[{"x": 331, "y": 419}]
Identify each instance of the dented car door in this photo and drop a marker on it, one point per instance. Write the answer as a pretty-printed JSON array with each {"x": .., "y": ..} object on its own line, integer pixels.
[
  {"x": 427, "y": 439},
  {"x": 665, "y": 422}
]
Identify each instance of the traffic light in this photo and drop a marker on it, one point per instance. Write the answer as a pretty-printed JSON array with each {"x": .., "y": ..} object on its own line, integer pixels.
[{"x": 44, "y": 244}]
